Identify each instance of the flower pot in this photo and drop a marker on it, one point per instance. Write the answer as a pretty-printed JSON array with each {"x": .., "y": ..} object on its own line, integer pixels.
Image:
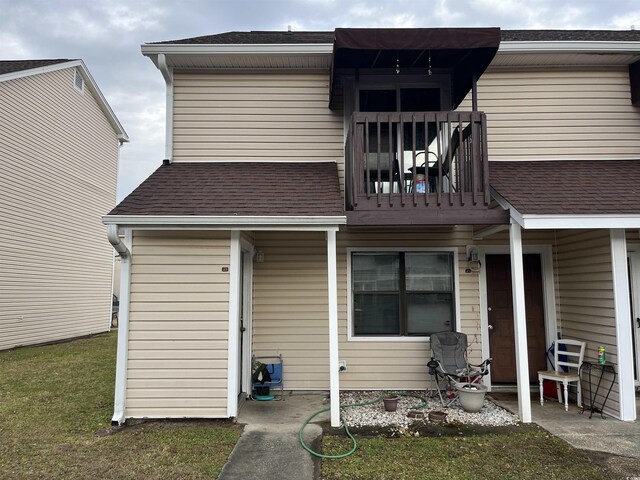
[
  {"x": 471, "y": 396},
  {"x": 437, "y": 416},
  {"x": 391, "y": 403}
]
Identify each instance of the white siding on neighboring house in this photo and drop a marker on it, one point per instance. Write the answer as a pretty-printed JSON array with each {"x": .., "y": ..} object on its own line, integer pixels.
[
  {"x": 290, "y": 313},
  {"x": 178, "y": 325},
  {"x": 255, "y": 117},
  {"x": 585, "y": 285},
  {"x": 59, "y": 157},
  {"x": 558, "y": 114}
]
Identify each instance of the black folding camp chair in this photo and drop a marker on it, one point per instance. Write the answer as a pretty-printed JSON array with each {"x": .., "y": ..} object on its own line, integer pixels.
[{"x": 449, "y": 367}]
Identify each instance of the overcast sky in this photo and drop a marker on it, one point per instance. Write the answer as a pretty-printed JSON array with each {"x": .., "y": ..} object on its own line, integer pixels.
[{"x": 107, "y": 35}]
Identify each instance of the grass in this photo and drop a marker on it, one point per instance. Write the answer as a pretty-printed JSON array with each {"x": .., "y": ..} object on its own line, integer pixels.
[
  {"x": 53, "y": 401},
  {"x": 521, "y": 455}
]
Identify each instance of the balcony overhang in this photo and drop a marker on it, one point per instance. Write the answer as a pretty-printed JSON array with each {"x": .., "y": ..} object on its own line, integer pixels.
[{"x": 466, "y": 52}]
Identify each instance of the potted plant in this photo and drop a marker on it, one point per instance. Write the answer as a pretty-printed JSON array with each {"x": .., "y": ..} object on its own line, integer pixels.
[{"x": 471, "y": 394}]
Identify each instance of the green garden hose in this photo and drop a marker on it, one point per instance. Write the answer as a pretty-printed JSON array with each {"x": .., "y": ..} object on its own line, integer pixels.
[{"x": 346, "y": 427}]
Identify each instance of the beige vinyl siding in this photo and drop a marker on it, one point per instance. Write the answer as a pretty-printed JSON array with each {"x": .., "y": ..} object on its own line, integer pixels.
[
  {"x": 585, "y": 285},
  {"x": 558, "y": 114},
  {"x": 59, "y": 157},
  {"x": 256, "y": 117},
  {"x": 178, "y": 331},
  {"x": 290, "y": 313}
]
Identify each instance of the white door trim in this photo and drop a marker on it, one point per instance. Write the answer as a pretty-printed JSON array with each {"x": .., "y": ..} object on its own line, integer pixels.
[
  {"x": 633, "y": 252},
  {"x": 247, "y": 307},
  {"x": 548, "y": 285}
]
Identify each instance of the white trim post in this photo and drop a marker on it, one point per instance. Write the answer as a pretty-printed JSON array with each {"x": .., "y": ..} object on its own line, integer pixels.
[
  {"x": 334, "y": 367},
  {"x": 623, "y": 324},
  {"x": 520, "y": 322},
  {"x": 234, "y": 315},
  {"x": 122, "y": 355}
]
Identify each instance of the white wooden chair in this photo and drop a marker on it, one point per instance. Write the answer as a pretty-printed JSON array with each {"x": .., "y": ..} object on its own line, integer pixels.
[{"x": 568, "y": 353}]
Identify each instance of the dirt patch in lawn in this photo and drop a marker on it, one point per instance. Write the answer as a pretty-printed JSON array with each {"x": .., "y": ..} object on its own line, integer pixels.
[
  {"x": 134, "y": 425},
  {"x": 617, "y": 466}
]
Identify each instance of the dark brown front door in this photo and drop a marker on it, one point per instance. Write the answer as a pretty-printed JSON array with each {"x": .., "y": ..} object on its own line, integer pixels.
[{"x": 500, "y": 305}]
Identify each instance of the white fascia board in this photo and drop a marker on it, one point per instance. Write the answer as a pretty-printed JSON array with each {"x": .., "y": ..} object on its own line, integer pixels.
[
  {"x": 569, "y": 47},
  {"x": 500, "y": 200},
  {"x": 237, "y": 49},
  {"x": 292, "y": 223},
  {"x": 91, "y": 84},
  {"x": 39, "y": 70},
  {"x": 104, "y": 105},
  {"x": 533, "y": 221}
]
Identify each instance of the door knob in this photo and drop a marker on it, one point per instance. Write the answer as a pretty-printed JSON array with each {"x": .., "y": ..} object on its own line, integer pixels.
[
  {"x": 490, "y": 327},
  {"x": 489, "y": 308}
]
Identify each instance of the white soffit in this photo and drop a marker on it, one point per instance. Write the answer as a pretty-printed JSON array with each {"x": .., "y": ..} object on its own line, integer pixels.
[{"x": 291, "y": 56}]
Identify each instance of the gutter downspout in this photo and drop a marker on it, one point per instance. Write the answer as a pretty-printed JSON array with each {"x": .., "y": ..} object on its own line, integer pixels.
[
  {"x": 167, "y": 73},
  {"x": 122, "y": 356}
]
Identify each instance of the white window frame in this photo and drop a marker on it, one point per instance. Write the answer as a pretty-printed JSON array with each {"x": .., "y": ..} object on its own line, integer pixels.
[{"x": 456, "y": 293}]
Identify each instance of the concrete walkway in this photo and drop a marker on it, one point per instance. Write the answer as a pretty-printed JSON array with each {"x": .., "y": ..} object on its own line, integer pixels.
[
  {"x": 269, "y": 446},
  {"x": 598, "y": 434}
]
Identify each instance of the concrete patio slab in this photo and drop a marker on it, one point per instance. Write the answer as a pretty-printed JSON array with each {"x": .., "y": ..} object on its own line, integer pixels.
[
  {"x": 294, "y": 409},
  {"x": 598, "y": 434}
]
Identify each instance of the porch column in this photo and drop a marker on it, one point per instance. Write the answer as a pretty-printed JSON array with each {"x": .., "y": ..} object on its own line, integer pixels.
[
  {"x": 520, "y": 322},
  {"x": 234, "y": 326},
  {"x": 334, "y": 368},
  {"x": 624, "y": 336}
]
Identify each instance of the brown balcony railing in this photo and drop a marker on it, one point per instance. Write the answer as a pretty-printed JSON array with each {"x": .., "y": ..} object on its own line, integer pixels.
[{"x": 417, "y": 160}]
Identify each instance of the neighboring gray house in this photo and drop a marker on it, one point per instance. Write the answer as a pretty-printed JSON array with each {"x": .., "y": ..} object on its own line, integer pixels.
[{"x": 59, "y": 150}]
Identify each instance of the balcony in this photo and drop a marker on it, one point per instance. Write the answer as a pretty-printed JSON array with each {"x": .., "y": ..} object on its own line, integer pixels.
[{"x": 425, "y": 168}]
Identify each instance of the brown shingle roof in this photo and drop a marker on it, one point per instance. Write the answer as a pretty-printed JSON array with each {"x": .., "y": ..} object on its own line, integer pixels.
[
  {"x": 578, "y": 187},
  {"x": 570, "y": 35},
  {"x": 281, "y": 37},
  {"x": 238, "y": 188},
  {"x": 10, "y": 66}
]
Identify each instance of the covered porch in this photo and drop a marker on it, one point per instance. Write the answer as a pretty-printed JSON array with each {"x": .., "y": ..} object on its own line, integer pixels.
[{"x": 591, "y": 273}]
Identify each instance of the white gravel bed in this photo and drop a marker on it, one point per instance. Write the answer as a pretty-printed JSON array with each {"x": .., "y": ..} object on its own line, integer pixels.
[{"x": 375, "y": 415}]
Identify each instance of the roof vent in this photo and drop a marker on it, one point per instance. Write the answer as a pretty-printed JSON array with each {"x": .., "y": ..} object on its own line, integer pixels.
[
  {"x": 78, "y": 81},
  {"x": 288, "y": 28}
]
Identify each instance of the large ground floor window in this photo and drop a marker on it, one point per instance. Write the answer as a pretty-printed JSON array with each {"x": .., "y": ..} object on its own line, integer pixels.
[{"x": 402, "y": 293}]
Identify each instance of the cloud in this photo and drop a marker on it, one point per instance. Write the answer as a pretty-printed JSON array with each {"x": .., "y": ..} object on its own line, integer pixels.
[
  {"x": 108, "y": 35},
  {"x": 14, "y": 47},
  {"x": 624, "y": 22}
]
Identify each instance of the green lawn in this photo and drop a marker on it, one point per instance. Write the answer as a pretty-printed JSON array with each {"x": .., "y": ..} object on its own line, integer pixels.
[
  {"x": 56, "y": 403},
  {"x": 515, "y": 455},
  {"x": 53, "y": 401}
]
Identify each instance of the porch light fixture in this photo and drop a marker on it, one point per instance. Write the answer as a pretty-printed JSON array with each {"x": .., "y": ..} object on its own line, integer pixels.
[
  {"x": 429, "y": 70},
  {"x": 473, "y": 261},
  {"x": 397, "y": 64},
  {"x": 259, "y": 256}
]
